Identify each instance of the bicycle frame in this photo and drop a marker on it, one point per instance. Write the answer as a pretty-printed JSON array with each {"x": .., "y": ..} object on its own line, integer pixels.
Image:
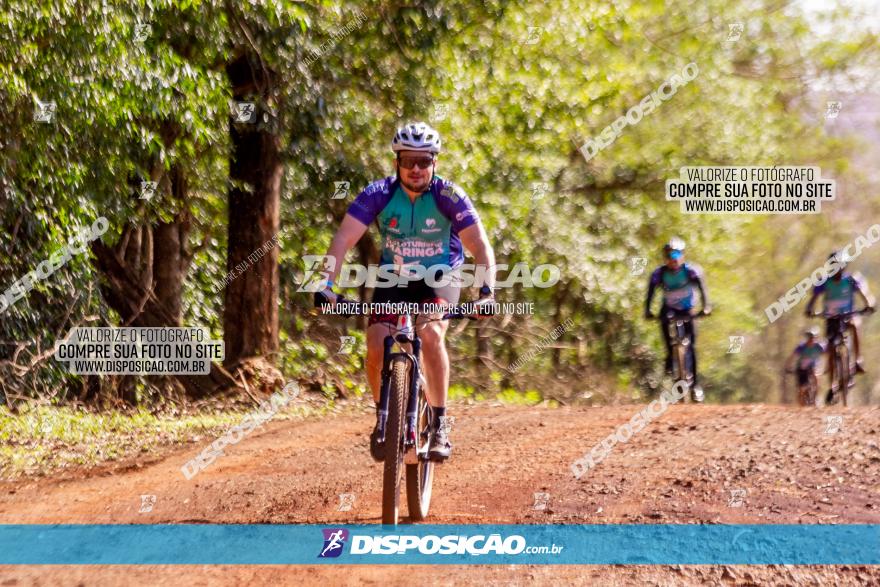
[
  {"x": 676, "y": 329},
  {"x": 406, "y": 334},
  {"x": 681, "y": 348},
  {"x": 408, "y": 424},
  {"x": 839, "y": 340},
  {"x": 842, "y": 334},
  {"x": 412, "y": 400}
]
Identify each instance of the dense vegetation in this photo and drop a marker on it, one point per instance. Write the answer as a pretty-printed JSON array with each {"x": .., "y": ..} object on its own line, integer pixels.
[{"x": 148, "y": 92}]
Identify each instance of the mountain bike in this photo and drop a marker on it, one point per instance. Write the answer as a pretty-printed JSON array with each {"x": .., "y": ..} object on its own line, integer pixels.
[
  {"x": 809, "y": 391},
  {"x": 409, "y": 425},
  {"x": 406, "y": 421},
  {"x": 841, "y": 358},
  {"x": 682, "y": 350}
]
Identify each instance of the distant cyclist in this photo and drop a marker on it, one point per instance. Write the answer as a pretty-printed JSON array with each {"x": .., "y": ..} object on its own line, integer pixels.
[
  {"x": 422, "y": 220},
  {"x": 839, "y": 296},
  {"x": 679, "y": 282},
  {"x": 805, "y": 357}
]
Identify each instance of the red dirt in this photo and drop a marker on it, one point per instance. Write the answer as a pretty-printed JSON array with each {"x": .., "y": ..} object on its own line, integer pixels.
[{"x": 679, "y": 469}]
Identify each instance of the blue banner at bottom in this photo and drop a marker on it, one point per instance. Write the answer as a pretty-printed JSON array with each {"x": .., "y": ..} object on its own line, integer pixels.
[{"x": 652, "y": 544}]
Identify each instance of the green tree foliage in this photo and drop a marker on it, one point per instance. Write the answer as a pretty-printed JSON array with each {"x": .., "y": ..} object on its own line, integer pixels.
[{"x": 516, "y": 89}]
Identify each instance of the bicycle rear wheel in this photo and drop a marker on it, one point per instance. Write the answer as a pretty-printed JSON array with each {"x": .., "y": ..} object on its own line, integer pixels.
[
  {"x": 420, "y": 476},
  {"x": 803, "y": 395},
  {"x": 400, "y": 375}
]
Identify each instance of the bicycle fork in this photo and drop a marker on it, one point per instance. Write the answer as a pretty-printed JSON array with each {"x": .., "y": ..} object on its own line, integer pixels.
[
  {"x": 413, "y": 399},
  {"x": 385, "y": 387},
  {"x": 385, "y": 391}
]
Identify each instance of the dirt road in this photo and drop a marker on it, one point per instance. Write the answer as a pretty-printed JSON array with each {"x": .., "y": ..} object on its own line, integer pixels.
[{"x": 794, "y": 465}]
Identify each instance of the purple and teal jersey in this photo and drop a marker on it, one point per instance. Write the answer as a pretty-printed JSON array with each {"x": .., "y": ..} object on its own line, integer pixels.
[
  {"x": 423, "y": 231},
  {"x": 679, "y": 287},
  {"x": 809, "y": 354},
  {"x": 840, "y": 296}
]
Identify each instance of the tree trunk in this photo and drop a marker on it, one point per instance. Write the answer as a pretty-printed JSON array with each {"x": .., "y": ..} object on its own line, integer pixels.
[
  {"x": 559, "y": 302},
  {"x": 143, "y": 278},
  {"x": 170, "y": 256},
  {"x": 509, "y": 351},
  {"x": 250, "y": 320},
  {"x": 484, "y": 359}
]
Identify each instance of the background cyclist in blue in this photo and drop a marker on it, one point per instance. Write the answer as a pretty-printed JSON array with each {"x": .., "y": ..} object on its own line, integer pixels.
[
  {"x": 806, "y": 356},
  {"x": 678, "y": 280},
  {"x": 838, "y": 296}
]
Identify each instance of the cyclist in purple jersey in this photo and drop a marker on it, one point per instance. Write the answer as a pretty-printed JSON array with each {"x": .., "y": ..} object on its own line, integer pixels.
[
  {"x": 679, "y": 281},
  {"x": 806, "y": 356},
  {"x": 421, "y": 231},
  {"x": 424, "y": 221}
]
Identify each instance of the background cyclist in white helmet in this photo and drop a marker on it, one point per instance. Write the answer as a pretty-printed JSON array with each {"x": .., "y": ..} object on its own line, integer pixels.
[
  {"x": 679, "y": 282},
  {"x": 422, "y": 220}
]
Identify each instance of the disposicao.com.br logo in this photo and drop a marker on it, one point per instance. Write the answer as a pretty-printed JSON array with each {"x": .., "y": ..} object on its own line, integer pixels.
[
  {"x": 334, "y": 541},
  {"x": 450, "y": 544}
]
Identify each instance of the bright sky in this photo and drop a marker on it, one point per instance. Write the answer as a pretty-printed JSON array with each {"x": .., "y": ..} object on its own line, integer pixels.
[
  {"x": 869, "y": 9},
  {"x": 866, "y": 17}
]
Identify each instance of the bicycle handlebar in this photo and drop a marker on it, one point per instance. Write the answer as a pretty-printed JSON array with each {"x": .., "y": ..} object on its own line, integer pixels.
[
  {"x": 684, "y": 317},
  {"x": 456, "y": 314},
  {"x": 849, "y": 314}
]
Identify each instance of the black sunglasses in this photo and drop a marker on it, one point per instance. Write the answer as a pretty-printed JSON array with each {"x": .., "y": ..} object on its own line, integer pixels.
[{"x": 410, "y": 162}]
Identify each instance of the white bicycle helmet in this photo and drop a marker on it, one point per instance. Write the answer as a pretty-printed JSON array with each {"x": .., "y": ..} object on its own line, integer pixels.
[
  {"x": 674, "y": 244},
  {"x": 416, "y": 136}
]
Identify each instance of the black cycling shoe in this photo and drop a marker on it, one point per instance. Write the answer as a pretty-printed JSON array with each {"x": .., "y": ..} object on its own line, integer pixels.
[
  {"x": 377, "y": 447},
  {"x": 440, "y": 447}
]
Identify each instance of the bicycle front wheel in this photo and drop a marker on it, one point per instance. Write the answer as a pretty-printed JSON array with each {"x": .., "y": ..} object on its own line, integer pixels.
[
  {"x": 813, "y": 386},
  {"x": 400, "y": 377},
  {"x": 843, "y": 373},
  {"x": 420, "y": 476},
  {"x": 682, "y": 373}
]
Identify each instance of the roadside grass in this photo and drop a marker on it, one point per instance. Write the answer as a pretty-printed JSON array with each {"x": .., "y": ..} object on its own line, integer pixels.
[
  {"x": 529, "y": 397},
  {"x": 45, "y": 439},
  {"x": 50, "y": 439}
]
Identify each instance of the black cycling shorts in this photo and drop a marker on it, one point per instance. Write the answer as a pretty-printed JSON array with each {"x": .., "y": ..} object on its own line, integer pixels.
[
  {"x": 803, "y": 376},
  {"x": 415, "y": 292}
]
